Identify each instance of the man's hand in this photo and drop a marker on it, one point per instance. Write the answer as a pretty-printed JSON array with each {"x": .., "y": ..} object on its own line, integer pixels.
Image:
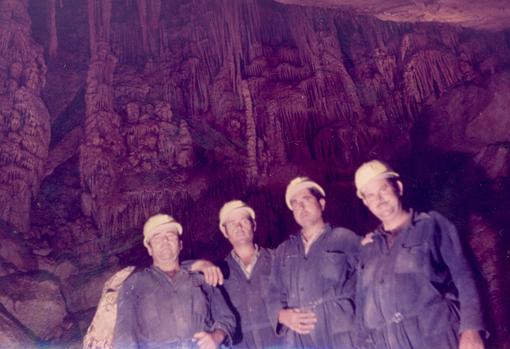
[
  {"x": 298, "y": 320},
  {"x": 213, "y": 275},
  {"x": 206, "y": 340},
  {"x": 470, "y": 339}
]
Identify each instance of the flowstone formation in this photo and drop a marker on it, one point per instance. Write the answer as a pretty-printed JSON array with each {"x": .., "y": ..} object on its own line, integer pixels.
[{"x": 24, "y": 119}]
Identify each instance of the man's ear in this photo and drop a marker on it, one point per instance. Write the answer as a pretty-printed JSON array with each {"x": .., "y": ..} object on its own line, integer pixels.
[
  {"x": 254, "y": 225},
  {"x": 224, "y": 232},
  {"x": 400, "y": 187},
  {"x": 149, "y": 249},
  {"x": 322, "y": 203}
]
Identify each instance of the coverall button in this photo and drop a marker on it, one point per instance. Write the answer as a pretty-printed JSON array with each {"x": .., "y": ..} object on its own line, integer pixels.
[{"x": 397, "y": 317}]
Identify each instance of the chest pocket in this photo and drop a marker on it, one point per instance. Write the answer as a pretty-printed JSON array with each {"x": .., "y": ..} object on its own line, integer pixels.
[
  {"x": 333, "y": 264},
  {"x": 412, "y": 257},
  {"x": 148, "y": 305}
]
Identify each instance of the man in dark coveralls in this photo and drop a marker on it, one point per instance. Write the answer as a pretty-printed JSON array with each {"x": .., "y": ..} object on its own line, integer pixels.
[
  {"x": 247, "y": 269},
  {"x": 311, "y": 298},
  {"x": 415, "y": 286},
  {"x": 167, "y": 306}
]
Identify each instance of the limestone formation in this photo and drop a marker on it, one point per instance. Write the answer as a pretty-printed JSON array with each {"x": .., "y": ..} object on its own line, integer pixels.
[
  {"x": 36, "y": 302},
  {"x": 24, "y": 120},
  {"x": 12, "y": 337},
  {"x": 113, "y": 110}
]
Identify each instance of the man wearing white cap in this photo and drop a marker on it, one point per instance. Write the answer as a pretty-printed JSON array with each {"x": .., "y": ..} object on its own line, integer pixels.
[
  {"x": 415, "y": 287},
  {"x": 247, "y": 269},
  {"x": 311, "y": 297},
  {"x": 167, "y": 306}
]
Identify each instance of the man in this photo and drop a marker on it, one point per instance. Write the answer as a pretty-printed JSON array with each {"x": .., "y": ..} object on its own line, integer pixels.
[
  {"x": 311, "y": 298},
  {"x": 247, "y": 270},
  {"x": 415, "y": 287},
  {"x": 167, "y": 306}
]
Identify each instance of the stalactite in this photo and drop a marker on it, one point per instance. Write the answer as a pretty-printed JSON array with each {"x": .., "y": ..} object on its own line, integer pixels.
[
  {"x": 234, "y": 36},
  {"x": 163, "y": 40},
  {"x": 294, "y": 123},
  {"x": 251, "y": 135},
  {"x": 288, "y": 72},
  {"x": 184, "y": 150},
  {"x": 154, "y": 12},
  {"x": 301, "y": 33},
  {"x": 316, "y": 39},
  {"x": 92, "y": 25},
  {"x": 142, "y": 17},
  {"x": 99, "y": 17},
  {"x": 255, "y": 68},
  {"x": 136, "y": 207},
  {"x": 274, "y": 134},
  {"x": 106, "y": 12},
  {"x": 53, "y": 45},
  {"x": 289, "y": 55},
  {"x": 103, "y": 143},
  {"x": 430, "y": 73},
  {"x": 279, "y": 145}
]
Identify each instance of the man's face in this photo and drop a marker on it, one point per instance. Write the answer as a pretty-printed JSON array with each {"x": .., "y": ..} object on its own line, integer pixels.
[
  {"x": 239, "y": 228},
  {"x": 307, "y": 210},
  {"x": 165, "y": 246},
  {"x": 383, "y": 199}
]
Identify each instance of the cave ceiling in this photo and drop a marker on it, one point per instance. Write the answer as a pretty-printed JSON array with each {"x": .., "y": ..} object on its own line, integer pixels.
[{"x": 491, "y": 15}]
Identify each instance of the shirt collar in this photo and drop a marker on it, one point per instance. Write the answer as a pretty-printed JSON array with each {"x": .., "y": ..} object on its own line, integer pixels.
[
  {"x": 247, "y": 269},
  {"x": 307, "y": 244}
]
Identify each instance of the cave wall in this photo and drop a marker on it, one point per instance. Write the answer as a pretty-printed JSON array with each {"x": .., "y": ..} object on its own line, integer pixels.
[
  {"x": 115, "y": 110},
  {"x": 24, "y": 118}
]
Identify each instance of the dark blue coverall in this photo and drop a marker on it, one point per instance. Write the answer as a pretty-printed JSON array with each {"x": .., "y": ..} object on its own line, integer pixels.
[
  {"x": 323, "y": 281},
  {"x": 420, "y": 293},
  {"x": 156, "y": 311},
  {"x": 247, "y": 297}
]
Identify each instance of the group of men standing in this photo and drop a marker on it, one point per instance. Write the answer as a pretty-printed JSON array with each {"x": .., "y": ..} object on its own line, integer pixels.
[{"x": 405, "y": 285}]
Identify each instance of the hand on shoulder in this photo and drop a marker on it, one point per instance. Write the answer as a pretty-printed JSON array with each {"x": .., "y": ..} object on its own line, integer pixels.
[{"x": 367, "y": 239}]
